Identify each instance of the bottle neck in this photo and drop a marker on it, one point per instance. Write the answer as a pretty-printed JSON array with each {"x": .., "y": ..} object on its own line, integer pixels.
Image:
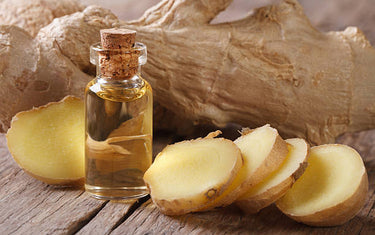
[{"x": 133, "y": 82}]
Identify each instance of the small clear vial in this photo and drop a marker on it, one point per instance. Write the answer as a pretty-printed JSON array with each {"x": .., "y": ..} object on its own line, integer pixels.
[{"x": 118, "y": 115}]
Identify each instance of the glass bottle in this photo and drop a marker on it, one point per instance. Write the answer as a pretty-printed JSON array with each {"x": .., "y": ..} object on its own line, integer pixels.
[{"x": 118, "y": 114}]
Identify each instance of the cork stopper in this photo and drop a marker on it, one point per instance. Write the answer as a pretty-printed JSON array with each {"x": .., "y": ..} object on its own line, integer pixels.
[
  {"x": 117, "y": 38},
  {"x": 118, "y": 60}
]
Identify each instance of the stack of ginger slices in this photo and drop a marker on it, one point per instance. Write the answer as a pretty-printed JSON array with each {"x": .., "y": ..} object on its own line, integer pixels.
[{"x": 320, "y": 186}]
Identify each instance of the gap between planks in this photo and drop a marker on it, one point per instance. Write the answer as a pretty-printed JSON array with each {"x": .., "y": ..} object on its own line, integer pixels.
[{"x": 110, "y": 216}]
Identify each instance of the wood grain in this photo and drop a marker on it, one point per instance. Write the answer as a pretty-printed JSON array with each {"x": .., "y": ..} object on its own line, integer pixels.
[{"x": 28, "y": 206}]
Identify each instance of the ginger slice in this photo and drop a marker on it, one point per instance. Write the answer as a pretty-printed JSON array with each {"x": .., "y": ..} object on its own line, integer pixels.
[
  {"x": 331, "y": 191},
  {"x": 278, "y": 182},
  {"x": 187, "y": 175},
  {"x": 263, "y": 151},
  {"x": 48, "y": 142}
]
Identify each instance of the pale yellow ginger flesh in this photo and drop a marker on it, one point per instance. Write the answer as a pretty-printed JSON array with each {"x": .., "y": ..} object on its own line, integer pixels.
[
  {"x": 187, "y": 175},
  {"x": 48, "y": 142},
  {"x": 263, "y": 151},
  {"x": 332, "y": 189},
  {"x": 298, "y": 152},
  {"x": 256, "y": 146},
  {"x": 277, "y": 183}
]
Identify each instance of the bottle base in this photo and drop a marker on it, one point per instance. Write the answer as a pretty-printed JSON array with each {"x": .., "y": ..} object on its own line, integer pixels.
[{"x": 116, "y": 193}]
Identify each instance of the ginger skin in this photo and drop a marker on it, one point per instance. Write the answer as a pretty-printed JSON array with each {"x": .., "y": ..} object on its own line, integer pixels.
[{"x": 270, "y": 67}]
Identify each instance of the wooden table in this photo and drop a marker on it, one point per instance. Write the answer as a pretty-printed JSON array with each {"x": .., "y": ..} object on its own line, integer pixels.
[{"x": 28, "y": 206}]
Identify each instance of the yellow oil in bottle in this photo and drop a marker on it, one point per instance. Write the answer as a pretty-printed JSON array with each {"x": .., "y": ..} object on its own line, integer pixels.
[{"x": 118, "y": 137}]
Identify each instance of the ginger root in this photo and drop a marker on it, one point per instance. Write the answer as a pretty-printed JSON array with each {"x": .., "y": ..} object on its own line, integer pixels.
[
  {"x": 331, "y": 191},
  {"x": 35, "y": 14},
  {"x": 270, "y": 67},
  {"x": 48, "y": 142}
]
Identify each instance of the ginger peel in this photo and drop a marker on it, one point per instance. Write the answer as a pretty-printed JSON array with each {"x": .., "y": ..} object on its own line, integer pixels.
[{"x": 316, "y": 97}]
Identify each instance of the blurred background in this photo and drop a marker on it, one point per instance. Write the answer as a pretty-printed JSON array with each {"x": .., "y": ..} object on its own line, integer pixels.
[{"x": 326, "y": 15}]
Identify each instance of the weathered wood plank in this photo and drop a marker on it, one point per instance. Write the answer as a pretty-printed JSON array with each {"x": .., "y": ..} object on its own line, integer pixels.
[
  {"x": 108, "y": 218},
  {"x": 148, "y": 220}
]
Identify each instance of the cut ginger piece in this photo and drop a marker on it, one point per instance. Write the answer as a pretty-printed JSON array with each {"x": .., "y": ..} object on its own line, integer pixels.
[
  {"x": 263, "y": 151},
  {"x": 278, "y": 182},
  {"x": 331, "y": 191},
  {"x": 48, "y": 142},
  {"x": 187, "y": 175}
]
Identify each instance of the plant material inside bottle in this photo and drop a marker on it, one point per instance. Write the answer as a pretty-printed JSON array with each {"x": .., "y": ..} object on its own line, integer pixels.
[{"x": 118, "y": 137}]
